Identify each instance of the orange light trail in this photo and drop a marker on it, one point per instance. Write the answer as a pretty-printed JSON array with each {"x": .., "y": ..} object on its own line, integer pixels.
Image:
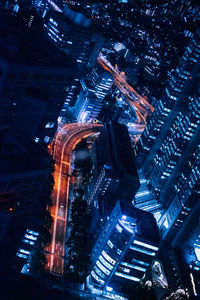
[
  {"x": 140, "y": 105},
  {"x": 64, "y": 142}
]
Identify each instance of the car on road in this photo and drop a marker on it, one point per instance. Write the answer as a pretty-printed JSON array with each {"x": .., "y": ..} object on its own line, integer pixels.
[{"x": 61, "y": 205}]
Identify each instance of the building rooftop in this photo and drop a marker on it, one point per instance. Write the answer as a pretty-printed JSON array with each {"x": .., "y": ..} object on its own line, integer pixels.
[{"x": 115, "y": 150}]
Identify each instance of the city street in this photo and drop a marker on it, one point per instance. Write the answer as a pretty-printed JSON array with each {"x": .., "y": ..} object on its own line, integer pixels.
[{"x": 65, "y": 141}]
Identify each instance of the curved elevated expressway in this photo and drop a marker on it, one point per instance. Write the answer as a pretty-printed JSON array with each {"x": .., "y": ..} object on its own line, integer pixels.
[{"x": 65, "y": 141}]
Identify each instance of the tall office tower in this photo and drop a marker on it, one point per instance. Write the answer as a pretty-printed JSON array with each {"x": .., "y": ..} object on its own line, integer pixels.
[
  {"x": 173, "y": 130},
  {"x": 102, "y": 81},
  {"x": 74, "y": 39},
  {"x": 178, "y": 220},
  {"x": 32, "y": 68},
  {"x": 146, "y": 200},
  {"x": 114, "y": 174},
  {"x": 87, "y": 107},
  {"x": 125, "y": 248}
]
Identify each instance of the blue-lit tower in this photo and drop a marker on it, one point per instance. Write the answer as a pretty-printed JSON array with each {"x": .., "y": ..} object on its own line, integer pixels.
[
  {"x": 173, "y": 130},
  {"x": 74, "y": 38},
  {"x": 125, "y": 248},
  {"x": 167, "y": 109},
  {"x": 168, "y": 157}
]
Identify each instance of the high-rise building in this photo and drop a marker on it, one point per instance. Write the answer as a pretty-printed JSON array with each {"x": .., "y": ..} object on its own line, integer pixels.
[
  {"x": 87, "y": 106},
  {"x": 173, "y": 130},
  {"x": 145, "y": 199},
  {"x": 168, "y": 157},
  {"x": 125, "y": 248},
  {"x": 178, "y": 220},
  {"x": 75, "y": 40},
  {"x": 32, "y": 67},
  {"x": 114, "y": 171},
  {"x": 101, "y": 81},
  {"x": 114, "y": 175}
]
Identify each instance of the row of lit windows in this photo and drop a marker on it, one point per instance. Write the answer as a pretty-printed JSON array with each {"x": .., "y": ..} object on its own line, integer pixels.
[
  {"x": 127, "y": 276},
  {"x": 133, "y": 266}
]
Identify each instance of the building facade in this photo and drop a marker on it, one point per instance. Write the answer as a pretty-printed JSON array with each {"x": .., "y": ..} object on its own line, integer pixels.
[{"x": 125, "y": 248}]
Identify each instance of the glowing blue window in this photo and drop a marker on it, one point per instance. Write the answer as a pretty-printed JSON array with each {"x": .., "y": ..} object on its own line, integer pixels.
[
  {"x": 97, "y": 278},
  {"x": 127, "y": 276},
  {"x": 108, "y": 288},
  {"x": 145, "y": 245},
  {"x": 119, "y": 251},
  {"x": 118, "y": 228},
  {"x": 126, "y": 226},
  {"x": 32, "y": 232},
  {"x": 24, "y": 251},
  {"x": 102, "y": 268},
  {"x": 21, "y": 255},
  {"x": 112, "y": 261},
  {"x": 133, "y": 266},
  {"x": 46, "y": 139},
  {"x": 99, "y": 272},
  {"x": 30, "y": 237},
  {"x": 28, "y": 242},
  {"x": 197, "y": 253},
  {"x": 109, "y": 266},
  {"x": 110, "y": 244},
  {"x": 49, "y": 124},
  {"x": 142, "y": 251}
]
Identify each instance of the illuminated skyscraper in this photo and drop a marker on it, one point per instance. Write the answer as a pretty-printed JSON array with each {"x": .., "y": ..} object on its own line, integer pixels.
[
  {"x": 173, "y": 130},
  {"x": 125, "y": 248},
  {"x": 75, "y": 40},
  {"x": 145, "y": 199},
  {"x": 87, "y": 107},
  {"x": 114, "y": 171},
  {"x": 176, "y": 223},
  {"x": 102, "y": 81},
  {"x": 168, "y": 157}
]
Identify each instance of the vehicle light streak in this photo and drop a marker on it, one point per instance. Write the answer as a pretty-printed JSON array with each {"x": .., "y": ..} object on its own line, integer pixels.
[
  {"x": 64, "y": 142},
  {"x": 136, "y": 102}
]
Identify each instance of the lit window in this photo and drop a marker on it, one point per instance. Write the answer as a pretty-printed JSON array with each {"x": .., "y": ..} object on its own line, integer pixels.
[
  {"x": 133, "y": 266},
  {"x": 110, "y": 244},
  {"x": 28, "y": 242},
  {"x": 145, "y": 245},
  {"x": 37, "y": 139},
  {"x": 97, "y": 278},
  {"x": 30, "y": 237},
  {"x": 24, "y": 251},
  {"x": 46, "y": 139},
  {"x": 32, "y": 232},
  {"x": 166, "y": 224},
  {"x": 21, "y": 255},
  {"x": 108, "y": 288},
  {"x": 142, "y": 251},
  {"x": 110, "y": 267},
  {"x": 98, "y": 272},
  {"x": 119, "y": 251},
  {"x": 127, "y": 276},
  {"x": 102, "y": 268},
  {"x": 112, "y": 261},
  {"x": 50, "y": 125},
  {"x": 118, "y": 228}
]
